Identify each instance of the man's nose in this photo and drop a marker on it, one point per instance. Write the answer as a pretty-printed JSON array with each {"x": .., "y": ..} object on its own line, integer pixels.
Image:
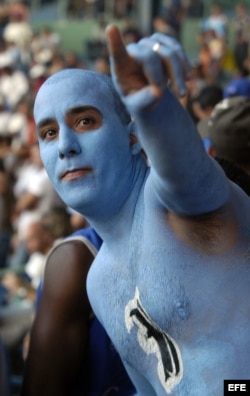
[{"x": 68, "y": 143}]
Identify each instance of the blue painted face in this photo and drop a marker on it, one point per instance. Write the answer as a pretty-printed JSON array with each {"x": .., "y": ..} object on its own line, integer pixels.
[{"x": 84, "y": 144}]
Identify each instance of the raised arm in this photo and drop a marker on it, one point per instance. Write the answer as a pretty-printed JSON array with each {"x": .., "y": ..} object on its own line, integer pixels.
[
  {"x": 186, "y": 180},
  {"x": 59, "y": 333}
]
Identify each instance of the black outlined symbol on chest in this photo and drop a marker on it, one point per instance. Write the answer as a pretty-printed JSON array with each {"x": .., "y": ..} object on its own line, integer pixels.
[{"x": 153, "y": 340}]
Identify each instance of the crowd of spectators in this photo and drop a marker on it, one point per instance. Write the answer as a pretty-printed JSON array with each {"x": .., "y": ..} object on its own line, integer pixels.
[{"x": 27, "y": 58}]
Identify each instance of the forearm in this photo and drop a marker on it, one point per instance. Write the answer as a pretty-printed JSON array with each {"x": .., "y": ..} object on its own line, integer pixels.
[{"x": 187, "y": 181}]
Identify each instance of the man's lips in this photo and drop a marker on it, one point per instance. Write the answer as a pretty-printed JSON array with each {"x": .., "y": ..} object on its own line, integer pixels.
[{"x": 75, "y": 174}]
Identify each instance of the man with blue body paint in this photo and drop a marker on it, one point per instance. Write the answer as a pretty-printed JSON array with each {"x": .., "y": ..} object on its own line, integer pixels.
[{"x": 171, "y": 281}]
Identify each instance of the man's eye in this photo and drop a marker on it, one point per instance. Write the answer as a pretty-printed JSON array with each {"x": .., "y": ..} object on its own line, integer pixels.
[
  {"x": 86, "y": 121},
  {"x": 48, "y": 134}
]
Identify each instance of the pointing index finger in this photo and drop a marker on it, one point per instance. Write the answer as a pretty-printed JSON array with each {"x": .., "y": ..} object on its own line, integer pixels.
[{"x": 116, "y": 45}]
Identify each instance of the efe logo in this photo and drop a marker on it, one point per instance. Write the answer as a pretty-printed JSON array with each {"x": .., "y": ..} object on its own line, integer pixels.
[{"x": 236, "y": 386}]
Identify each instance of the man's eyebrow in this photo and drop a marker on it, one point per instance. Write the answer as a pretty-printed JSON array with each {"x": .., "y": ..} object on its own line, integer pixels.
[
  {"x": 45, "y": 122},
  {"x": 81, "y": 109},
  {"x": 73, "y": 110}
]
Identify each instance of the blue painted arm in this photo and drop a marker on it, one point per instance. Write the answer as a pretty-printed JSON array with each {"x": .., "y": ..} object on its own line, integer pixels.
[{"x": 186, "y": 180}]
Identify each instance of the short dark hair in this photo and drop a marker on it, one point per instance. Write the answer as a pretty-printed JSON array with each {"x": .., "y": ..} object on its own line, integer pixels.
[
  {"x": 209, "y": 96},
  {"x": 229, "y": 129},
  {"x": 235, "y": 173}
]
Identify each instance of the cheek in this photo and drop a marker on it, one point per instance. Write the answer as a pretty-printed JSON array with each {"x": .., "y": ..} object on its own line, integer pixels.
[
  {"x": 104, "y": 146},
  {"x": 113, "y": 143},
  {"x": 49, "y": 156}
]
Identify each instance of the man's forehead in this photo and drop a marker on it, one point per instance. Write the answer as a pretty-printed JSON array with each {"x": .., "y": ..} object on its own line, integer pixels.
[
  {"x": 78, "y": 79},
  {"x": 73, "y": 93},
  {"x": 78, "y": 86}
]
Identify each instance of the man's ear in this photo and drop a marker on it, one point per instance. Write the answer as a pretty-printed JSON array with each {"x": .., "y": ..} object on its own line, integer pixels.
[{"x": 134, "y": 142}]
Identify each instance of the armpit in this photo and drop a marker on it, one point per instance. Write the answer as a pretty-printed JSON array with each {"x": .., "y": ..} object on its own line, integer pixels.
[{"x": 210, "y": 233}]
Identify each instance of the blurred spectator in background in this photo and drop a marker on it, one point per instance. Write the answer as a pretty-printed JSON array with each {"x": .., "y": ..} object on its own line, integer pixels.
[
  {"x": 6, "y": 154},
  {"x": 160, "y": 25},
  {"x": 217, "y": 48},
  {"x": 6, "y": 208},
  {"x": 72, "y": 59},
  {"x": 13, "y": 139},
  {"x": 174, "y": 17},
  {"x": 32, "y": 189},
  {"x": 75, "y": 9},
  {"x": 214, "y": 35},
  {"x": 39, "y": 236},
  {"x": 14, "y": 84},
  {"x": 101, "y": 65},
  {"x": 238, "y": 86},
  {"x": 58, "y": 222},
  {"x": 56, "y": 63},
  {"x": 46, "y": 56},
  {"x": 77, "y": 220},
  {"x": 34, "y": 195},
  {"x": 49, "y": 39},
  {"x": 98, "y": 31},
  {"x": 130, "y": 32},
  {"x": 211, "y": 54},
  {"x": 95, "y": 47},
  {"x": 84, "y": 9},
  {"x": 38, "y": 240},
  {"x": 17, "y": 32},
  {"x": 203, "y": 106},
  {"x": 229, "y": 132},
  {"x": 24, "y": 109},
  {"x": 204, "y": 57},
  {"x": 204, "y": 102},
  {"x": 16, "y": 315},
  {"x": 196, "y": 80},
  {"x": 123, "y": 8},
  {"x": 37, "y": 75},
  {"x": 4, "y": 16},
  {"x": 217, "y": 21},
  {"x": 241, "y": 30}
]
